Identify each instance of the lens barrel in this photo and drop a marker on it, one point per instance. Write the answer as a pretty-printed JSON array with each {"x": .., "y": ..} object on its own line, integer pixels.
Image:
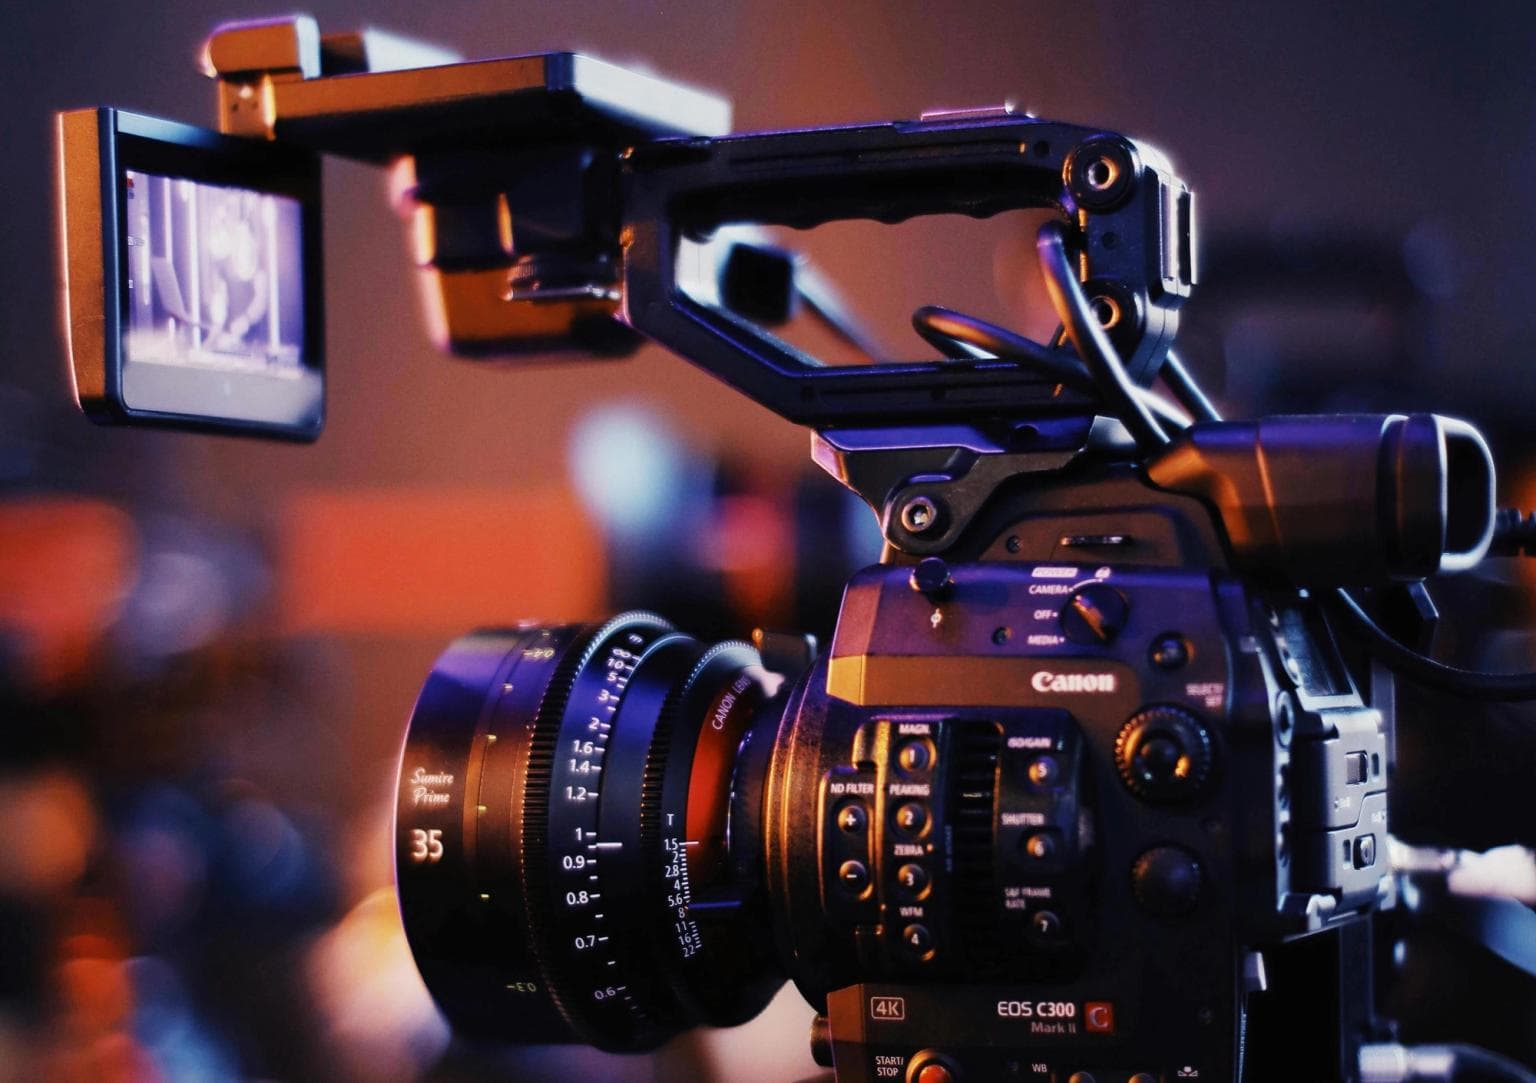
[{"x": 564, "y": 850}]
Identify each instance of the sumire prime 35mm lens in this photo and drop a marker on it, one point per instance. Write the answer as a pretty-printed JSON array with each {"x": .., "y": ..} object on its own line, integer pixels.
[{"x": 568, "y": 798}]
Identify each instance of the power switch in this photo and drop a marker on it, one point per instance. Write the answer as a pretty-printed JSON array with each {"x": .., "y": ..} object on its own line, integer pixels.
[
  {"x": 1094, "y": 615},
  {"x": 1356, "y": 768}
]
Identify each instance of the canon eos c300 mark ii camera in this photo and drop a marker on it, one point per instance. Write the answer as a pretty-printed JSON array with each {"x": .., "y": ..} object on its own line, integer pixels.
[{"x": 1091, "y": 783}]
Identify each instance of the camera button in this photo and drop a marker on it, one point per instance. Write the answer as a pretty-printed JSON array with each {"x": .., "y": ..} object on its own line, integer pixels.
[
  {"x": 914, "y": 756},
  {"x": 1044, "y": 771},
  {"x": 918, "y": 939},
  {"x": 853, "y": 876},
  {"x": 911, "y": 819},
  {"x": 931, "y": 1066},
  {"x": 1170, "y": 651},
  {"x": 1167, "y": 881},
  {"x": 934, "y": 1073},
  {"x": 912, "y": 878},
  {"x": 1041, "y": 846},
  {"x": 1045, "y": 925},
  {"x": 852, "y": 818}
]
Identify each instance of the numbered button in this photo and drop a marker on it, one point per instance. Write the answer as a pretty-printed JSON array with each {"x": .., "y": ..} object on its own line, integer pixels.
[
  {"x": 911, "y": 819},
  {"x": 1044, "y": 771},
  {"x": 918, "y": 939},
  {"x": 1046, "y": 926},
  {"x": 913, "y": 879},
  {"x": 915, "y": 756},
  {"x": 1041, "y": 846}
]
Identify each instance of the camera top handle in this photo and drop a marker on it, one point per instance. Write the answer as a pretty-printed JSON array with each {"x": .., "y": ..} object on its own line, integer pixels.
[{"x": 1135, "y": 249}]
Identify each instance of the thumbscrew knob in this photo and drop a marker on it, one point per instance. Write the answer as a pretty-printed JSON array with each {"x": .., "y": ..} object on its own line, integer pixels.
[
  {"x": 931, "y": 579},
  {"x": 1164, "y": 755}
]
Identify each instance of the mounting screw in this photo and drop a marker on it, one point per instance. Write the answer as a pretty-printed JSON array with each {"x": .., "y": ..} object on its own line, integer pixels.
[
  {"x": 1106, "y": 310},
  {"x": 1101, "y": 172},
  {"x": 919, "y": 515}
]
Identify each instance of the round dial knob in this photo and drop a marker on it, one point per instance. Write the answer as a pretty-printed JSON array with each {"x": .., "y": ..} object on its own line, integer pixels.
[
  {"x": 932, "y": 579},
  {"x": 1164, "y": 754},
  {"x": 1167, "y": 881},
  {"x": 1094, "y": 615}
]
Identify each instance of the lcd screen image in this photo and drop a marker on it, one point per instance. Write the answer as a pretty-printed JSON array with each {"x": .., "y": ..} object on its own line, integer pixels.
[{"x": 214, "y": 277}]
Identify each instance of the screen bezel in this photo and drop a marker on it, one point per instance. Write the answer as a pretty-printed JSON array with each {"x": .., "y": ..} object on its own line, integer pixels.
[{"x": 181, "y": 397}]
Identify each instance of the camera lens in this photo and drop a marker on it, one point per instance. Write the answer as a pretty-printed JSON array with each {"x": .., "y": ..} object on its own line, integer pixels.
[{"x": 577, "y": 846}]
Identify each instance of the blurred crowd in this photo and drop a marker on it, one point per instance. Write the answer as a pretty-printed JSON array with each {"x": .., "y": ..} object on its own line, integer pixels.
[{"x": 186, "y": 891}]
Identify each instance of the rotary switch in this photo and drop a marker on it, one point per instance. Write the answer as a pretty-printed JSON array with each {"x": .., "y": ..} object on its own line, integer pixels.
[
  {"x": 1164, "y": 755},
  {"x": 1094, "y": 615}
]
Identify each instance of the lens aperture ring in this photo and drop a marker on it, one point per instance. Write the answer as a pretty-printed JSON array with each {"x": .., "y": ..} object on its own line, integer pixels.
[{"x": 720, "y": 977}]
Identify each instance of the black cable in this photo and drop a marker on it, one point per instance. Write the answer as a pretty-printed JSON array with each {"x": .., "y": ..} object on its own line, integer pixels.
[
  {"x": 1186, "y": 389},
  {"x": 1474, "y": 684},
  {"x": 960, "y": 336},
  {"x": 1093, "y": 345},
  {"x": 935, "y": 323},
  {"x": 950, "y": 346}
]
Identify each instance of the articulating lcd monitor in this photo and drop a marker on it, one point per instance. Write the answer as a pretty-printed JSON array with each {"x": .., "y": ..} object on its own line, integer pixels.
[{"x": 193, "y": 276}]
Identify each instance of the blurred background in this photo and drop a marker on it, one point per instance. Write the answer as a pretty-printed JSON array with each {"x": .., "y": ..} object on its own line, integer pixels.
[{"x": 208, "y": 647}]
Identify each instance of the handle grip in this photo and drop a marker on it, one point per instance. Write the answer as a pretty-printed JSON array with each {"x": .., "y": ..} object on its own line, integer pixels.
[{"x": 1134, "y": 221}]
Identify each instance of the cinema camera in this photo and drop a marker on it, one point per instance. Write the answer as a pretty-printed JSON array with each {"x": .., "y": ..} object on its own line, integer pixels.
[{"x": 1087, "y": 786}]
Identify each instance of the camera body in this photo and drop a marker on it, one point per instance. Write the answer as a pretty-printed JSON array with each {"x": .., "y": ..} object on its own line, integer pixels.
[{"x": 1077, "y": 836}]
